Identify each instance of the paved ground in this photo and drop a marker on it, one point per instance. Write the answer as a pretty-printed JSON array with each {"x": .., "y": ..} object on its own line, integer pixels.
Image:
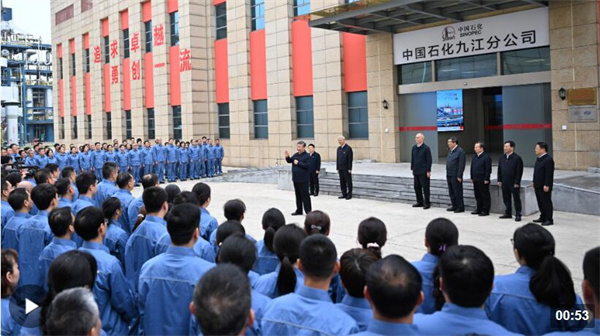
[{"x": 574, "y": 233}]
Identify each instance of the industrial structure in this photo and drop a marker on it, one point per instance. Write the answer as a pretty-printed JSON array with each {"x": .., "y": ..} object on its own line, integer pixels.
[{"x": 27, "y": 109}]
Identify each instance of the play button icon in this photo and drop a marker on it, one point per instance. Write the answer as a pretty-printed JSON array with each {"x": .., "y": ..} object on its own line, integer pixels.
[{"x": 25, "y": 305}]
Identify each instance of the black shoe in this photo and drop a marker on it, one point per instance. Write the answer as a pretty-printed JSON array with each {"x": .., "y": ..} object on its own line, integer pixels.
[
  {"x": 342, "y": 197},
  {"x": 517, "y": 218},
  {"x": 311, "y": 194},
  {"x": 316, "y": 194},
  {"x": 476, "y": 212},
  {"x": 505, "y": 216},
  {"x": 451, "y": 209},
  {"x": 483, "y": 214},
  {"x": 548, "y": 222},
  {"x": 539, "y": 220},
  {"x": 349, "y": 197},
  {"x": 459, "y": 210},
  {"x": 296, "y": 213},
  {"x": 417, "y": 205},
  {"x": 426, "y": 206}
]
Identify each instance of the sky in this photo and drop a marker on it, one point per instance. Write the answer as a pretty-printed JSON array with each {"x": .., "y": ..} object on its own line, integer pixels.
[{"x": 31, "y": 17}]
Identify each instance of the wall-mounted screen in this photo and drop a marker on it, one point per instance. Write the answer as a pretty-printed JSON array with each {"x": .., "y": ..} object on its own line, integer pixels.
[{"x": 450, "y": 111}]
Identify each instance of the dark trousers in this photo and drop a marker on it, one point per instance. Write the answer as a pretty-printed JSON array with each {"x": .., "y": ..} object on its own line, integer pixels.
[
  {"x": 314, "y": 183},
  {"x": 421, "y": 184},
  {"x": 507, "y": 191},
  {"x": 482, "y": 196},
  {"x": 302, "y": 197},
  {"x": 345, "y": 182},
  {"x": 544, "y": 201},
  {"x": 455, "y": 190}
]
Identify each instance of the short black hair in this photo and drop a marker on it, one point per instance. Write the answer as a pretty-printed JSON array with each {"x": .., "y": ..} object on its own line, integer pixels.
[
  {"x": 172, "y": 191},
  {"x": 108, "y": 168},
  {"x": 372, "y": 235},
  {"x": 88, "y": 221},
  {"x": 149, "y": 180},
  {"x": 227, "y": 229},
  {"x": 59, "y": 221},
  {"x": 41, "y": 176},
  {"x": 591, "y": 270},
  {"x": 481, "y": 144},
  {"x": 311, "y": 145},
  {"x": 52, "y": 167},
  {"x": 17, "y": 198},
  {"x": 238, "y": 250},
  {"x": 202, "y": 191},
  {"x": 453, "y": 139},
  {"x": 318, "y": 256},
  {"x": 543, "y": 145},
  {"x": 394, "y": 286},
  {"x": 5, "y": 184},
  {"x": 183, "y": 220},
  {"x": 154, "y": 198},
  {"x": 84, "y": 181},
  {"x": 317, "y": 221},
  {"x": 467, "y": 274},
  {"x": 185, "y": 197},
  {"x": 14, "y": 178},
  {"x": 441, "y": 233},
  {"x": 301, "y": 143},
  {"x": 234, "y": 209},
  {"x": 272, "y": 221},
  {"x": 67, "y": 172},
  {"x": 62, "y": 186},
  {"x": 354, "y": 265},
  {"x": 42, "y": 195},
  {"x": 222, "y": 300},
  {"x": 123, "y": 179},
  {"x": 510, "y": 143},
  {"x": 110, "y": 207}
]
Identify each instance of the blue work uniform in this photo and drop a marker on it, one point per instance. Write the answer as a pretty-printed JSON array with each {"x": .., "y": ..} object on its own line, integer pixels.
[
  {"x": 183, "y": 155},
  {"x": 381, "y": 328},
  {"x": 64, "y": 202},
  {"x": 116, "y": 240},
  {"x": 41, "y": 161},
  {"x": 459, "y": 321},
  {"x": 202, "y": 248},
  {"x": 57, "y": 247},
  {"x": 267, "y": 284},
  {"x": 85, "y": 161},
  {"x": 33, "y": 235},
  {"x": 135, "y": 160},
  {"x": 219, "y": 155},
  {"x": 308, "y": 311},
  {"x": 114, "y": 297},
  {"x": 267, "y": 261},
  {"x": 166, "y": 287},
  {"x": 61, "y": 160},
  {"x": 73, "y": 161},
  {"x": 52, "y": 160},
  {"x": 82, "y": 203},
  {"x": 141, "y": 246},
  {"x": 171, "y": 164},
  {"x": 208, "y": 224},
  {"x": 126, "y": 198},
  {"x": 30, "y": 161},
  {"x": 512, "y": 305},
  {"x": 133, "y": 210},
  {"x": 110, "y": 156},
  {"x": 160, "y": 154},
  {"x": 426, "y": 266},
  {"x": 7, "y": 213},
  {"x": 10, "y": 235},
  {"x": 202, "y": 160},
  {"x": 123, "y": 161},
  {"x": 359, "y": 309},
  {"x": 9, "y": 326},
  {"x": 148, "y": 160},
  {"x": 213, "y": 240},
  {"x": 105, "y": 189},
  {"x": 76, "y": 196},
  {"x": 211, "y": 159},
  {"x": 98, "y": 160},
  {"x": 194, "y": 163}
]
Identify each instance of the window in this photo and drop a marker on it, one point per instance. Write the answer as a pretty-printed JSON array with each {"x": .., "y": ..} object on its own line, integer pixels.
[
  {"x": 466, "y": 67},
  {"x": 151, "y": 129},
  {"x": 261, "y": 119},
  {"x": 304, "y": 117},
  {"x": 60, "y": 68},
  {"x": 128, "y": 124},
  {"x": 224, "y": 120},
  {"x": 126, "y": 43},
  {"x": 74, "y": 128},
  {"x": 174, "y": 17},
  {"x": 221, "y": 20},
  {"x": 177, "y": 129},
  {"x": 148, "y": 34},
  {"x": 89, "y": 126},
  {"x": 301, "y": 7},
  {"x": 414, "y": 73},
  {"x": 73, "y": 69},
  {"x": 358, "y": 115},
  {"x": 61, "y": 128},
  {"x": 525, "y": 61},
  {"x": 87, "y": 60},
  {"x": 108, "y": 126},
  {"x": 257, "y": 10},
  {"x": 106, "y": 50}
]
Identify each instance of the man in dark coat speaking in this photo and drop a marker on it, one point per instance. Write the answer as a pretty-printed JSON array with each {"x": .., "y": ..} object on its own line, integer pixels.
[{"x": 300, "y": 177}]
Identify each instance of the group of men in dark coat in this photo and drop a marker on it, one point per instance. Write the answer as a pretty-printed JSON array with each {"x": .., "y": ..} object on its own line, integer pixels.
[{"x": 510, "y": 172}]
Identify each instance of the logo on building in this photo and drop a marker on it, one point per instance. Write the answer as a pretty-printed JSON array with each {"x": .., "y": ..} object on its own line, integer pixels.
[{"x": 448, "y": 33}]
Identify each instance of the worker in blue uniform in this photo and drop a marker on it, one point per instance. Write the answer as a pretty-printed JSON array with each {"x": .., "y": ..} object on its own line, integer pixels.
[
  {"x": 171, "y": 163},
  {"x": 211, "y": 156},
  {"x": 135, "y": 160},
  {"x": 51, "y": 157},
  {"x": 126, "y": 183},
  {"x": 173, "y": 274},
  {"x": 21, "y": 202},
  {"x": 98, "y": 159},
  {"x": 61, "y": 158},
  {"x": 466, "y": 280},
  {"x": 183, "y": 155},
  {"x": 41, "y": 160},
  {"x": 310, "y": 309},
  {"x": 160, "y": 154},
  {"x": 61, "y": 224},
  {"x": 205, "y": 146},
  {"x": 202, "y": 152},
  {"x": 123, "y": 159},
  {"x": 110, "y": 155},
  {"x": 7, "y": 211},
  {"x": 85, "y": 159},
  {"x": 219, "y": 155},
  {"x": 116, "y": 238},
  {"x": 112, "y": 292},
  {"x": 87, "y": 188},
  {"x": 73, "y": 160},
  {"x": 148, "y": 159},
  {"x": 108, "y": 186},
  {"x": 194, "y": 157}
]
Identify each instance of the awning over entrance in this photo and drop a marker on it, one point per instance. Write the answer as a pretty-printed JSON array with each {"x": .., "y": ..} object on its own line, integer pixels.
[{"x": 393, "y": 16}]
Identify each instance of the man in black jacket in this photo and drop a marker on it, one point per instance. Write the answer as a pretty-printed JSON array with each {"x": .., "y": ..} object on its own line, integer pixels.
[
  {"x": 300, "y": 177},
  {"x": 344, "y": 167},
  {"x": 455, "y": 167},
  {"x": 510, "y": 172},
  {"x": 420, "y": 164},
  {"x": 543, "y": 178},
  {"x": 481, "y": 170},
  {"x": 315, "y": 166}
]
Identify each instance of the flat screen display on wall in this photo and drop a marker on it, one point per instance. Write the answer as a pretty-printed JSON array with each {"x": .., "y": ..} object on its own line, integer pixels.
[{"x": 450, "y": 111}]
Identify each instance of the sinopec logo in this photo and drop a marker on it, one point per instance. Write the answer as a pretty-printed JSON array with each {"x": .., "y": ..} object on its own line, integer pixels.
[{"x": 448, "y": 33}]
